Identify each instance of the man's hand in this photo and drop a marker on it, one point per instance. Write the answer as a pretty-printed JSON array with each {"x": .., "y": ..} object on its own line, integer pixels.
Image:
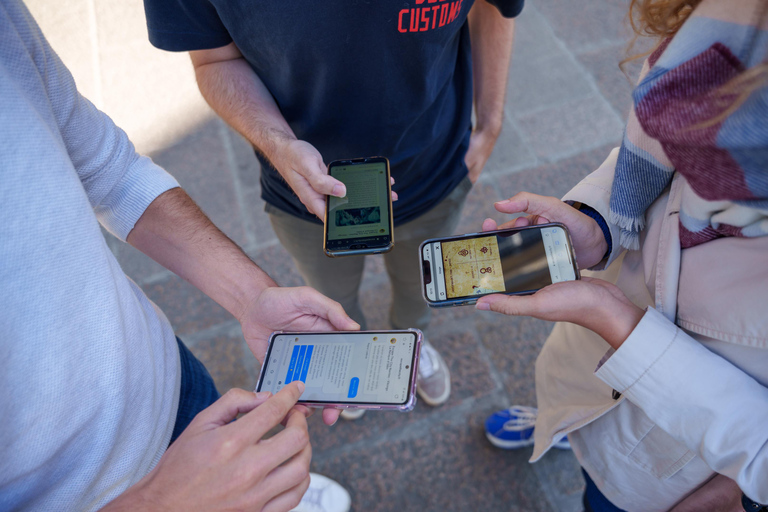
[
  {"x": 591, "y": 303},
  {"x": 480, "y": 147},
  {"x": 302, "y": 167},
  {"x": 588, "y": 240},
  {"x": 293, "y": 309},
  {"x": 217, "y": 464},
  {"x": 721, "y": 494}
]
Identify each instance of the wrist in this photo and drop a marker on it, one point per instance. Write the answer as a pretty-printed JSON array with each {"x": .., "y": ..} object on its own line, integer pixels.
[
  {"x": 490, "y": 129},
  {"x": 248, "y": 291},
  {"x": 623, "y": 318},
  {"x": 277, "y": 146}
]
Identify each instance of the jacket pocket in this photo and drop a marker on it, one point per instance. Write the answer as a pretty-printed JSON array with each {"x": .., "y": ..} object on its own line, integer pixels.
[{"x": 659, "y": 453}]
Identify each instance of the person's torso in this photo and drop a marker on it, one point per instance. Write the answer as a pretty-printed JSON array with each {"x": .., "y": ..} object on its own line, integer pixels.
[
  {"x": 360, "y": 78},
  {"x": 89, "y": 365}
]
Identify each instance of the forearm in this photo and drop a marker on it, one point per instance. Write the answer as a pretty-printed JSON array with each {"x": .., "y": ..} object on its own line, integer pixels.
[
  {"x": 237, "y": 94},
  {"x": 700, "y": 398},
  {"x": 174, "y": 232},
  {"x": 492, "y": 36}
]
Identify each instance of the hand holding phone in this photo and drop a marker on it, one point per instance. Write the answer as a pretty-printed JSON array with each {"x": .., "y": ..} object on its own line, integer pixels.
[
  {"x": 356, "y": 370},
  {"x": 458, "y": 270},
  {"x": 589, "y": 243},
  {"x": 361, "y": 221}
]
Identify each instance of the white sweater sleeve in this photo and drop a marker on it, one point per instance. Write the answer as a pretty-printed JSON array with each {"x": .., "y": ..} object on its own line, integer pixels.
[
  {"x": 120, "y": 183},
  {"x": 698, "y": 397}
]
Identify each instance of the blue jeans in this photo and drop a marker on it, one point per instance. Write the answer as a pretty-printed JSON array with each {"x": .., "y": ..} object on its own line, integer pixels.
[
  {"x": 197, "y": 390},
  {"x": 594, "y": 500}
]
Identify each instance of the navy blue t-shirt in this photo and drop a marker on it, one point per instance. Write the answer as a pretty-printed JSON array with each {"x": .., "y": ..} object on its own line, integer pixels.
[{"x": 353, "y": 78}]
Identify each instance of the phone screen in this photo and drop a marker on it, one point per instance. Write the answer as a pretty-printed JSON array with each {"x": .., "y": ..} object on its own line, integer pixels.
[
  {"x": 514, "y": 262},
  {"x": 343, "y": 367},
  {"x": 361, "y": 217}
]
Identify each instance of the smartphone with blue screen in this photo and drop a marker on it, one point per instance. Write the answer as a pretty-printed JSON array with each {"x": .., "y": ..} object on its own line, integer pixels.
[{"x": 345, "y": 369}]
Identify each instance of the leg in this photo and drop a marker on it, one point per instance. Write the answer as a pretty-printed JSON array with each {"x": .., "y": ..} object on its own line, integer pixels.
[
  {"x": 197, "y": 390},
  {"x": 408, "y": 306},
  {"x": 337, "y": 278}
]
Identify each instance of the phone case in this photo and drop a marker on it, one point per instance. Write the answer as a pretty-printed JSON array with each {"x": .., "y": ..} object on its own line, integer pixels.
[
  {"x": 357, "y": 252},
  {"x": 405, "y": 407},
  {"x": 467, "y": 301}
]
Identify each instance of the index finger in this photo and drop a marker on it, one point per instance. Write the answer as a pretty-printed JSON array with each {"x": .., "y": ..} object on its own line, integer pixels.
[{"x": 269, "y": 414}]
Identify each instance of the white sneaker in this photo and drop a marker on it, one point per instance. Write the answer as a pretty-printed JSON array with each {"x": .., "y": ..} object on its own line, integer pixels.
[
  {"x": 324, "y": 495},
  {"x": 352, "y": 414},
  {"x": 434, "y": 385}
]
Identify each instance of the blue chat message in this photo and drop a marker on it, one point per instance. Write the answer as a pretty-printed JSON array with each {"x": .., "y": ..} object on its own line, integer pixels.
[{"x": 353, "y": 385}]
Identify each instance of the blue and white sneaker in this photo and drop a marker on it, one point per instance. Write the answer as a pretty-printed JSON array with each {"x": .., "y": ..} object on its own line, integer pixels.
[{"x": 513, "y": 428}]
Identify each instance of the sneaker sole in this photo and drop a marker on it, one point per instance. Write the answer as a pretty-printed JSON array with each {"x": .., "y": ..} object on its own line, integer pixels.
[{"x": 508, "y": 445}]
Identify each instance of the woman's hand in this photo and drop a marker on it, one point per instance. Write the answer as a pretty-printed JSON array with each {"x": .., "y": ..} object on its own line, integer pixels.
[
  {"x": 591, "y": 303},
  {"x": 588, "y": 240}
]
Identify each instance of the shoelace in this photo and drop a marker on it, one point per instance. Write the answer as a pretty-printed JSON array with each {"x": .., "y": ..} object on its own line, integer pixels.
[
  {"x": 427, "y": 362},
  {"x": 522, "y": 418}
]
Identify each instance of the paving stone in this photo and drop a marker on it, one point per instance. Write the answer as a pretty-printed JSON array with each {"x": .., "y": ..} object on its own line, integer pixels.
[
  {"x": 559, "y": 473},
  {"x": 275, "y": 261},
  {"x": 552, "y": 179},
  {"x": 614, "y": 85},
  {"x": 199, "y": 162},
  {"x": 470, "y": 380},
  {"x": 450, "y": 467},
  {"x": 248, "y": 166},
  {"x": 137, "y": 265},
  {"x": 511, "y": 152},
  {"x": 229, "y": 361},
  {"x": 188, "y": 309},
  {"x": 572, "y": 127},
  {"x": 259, "y": 229},
  {"x": 545, "y": 82},
  {"x": 74, "y": 47},
  {"x": 119, "y": 24},
  {"x": 587, "y": 24},
  {"x": 513, "y": 344},
  {"x": 479, "y": 206},
  {"x": 534, "y": 38},
  {"x": 151, "y": 94}
]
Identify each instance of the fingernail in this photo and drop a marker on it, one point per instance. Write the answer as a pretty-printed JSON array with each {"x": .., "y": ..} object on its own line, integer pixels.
[
  {"x": 261, "y": 395},
  {"x": 483, "y": 306},
  {"x": 300, "y": 385},
  {"x": 505, "y": 201},
  {"x": 339, "y": 191}
]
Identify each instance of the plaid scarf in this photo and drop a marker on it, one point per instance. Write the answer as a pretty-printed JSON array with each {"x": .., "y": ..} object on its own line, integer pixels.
[{"x": 725, "y": 164}]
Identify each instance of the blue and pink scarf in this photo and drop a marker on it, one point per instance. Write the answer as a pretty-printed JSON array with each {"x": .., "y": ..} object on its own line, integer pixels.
[{"x": 725, "y": 164}]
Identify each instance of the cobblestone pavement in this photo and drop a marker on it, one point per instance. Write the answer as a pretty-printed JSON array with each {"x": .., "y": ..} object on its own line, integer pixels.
[{"x": 566, "y": 102}]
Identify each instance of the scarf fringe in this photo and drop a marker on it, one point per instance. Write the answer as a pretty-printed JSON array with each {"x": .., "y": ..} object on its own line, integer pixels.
[
  {"x": 630, "y": 240},
  {"x": 627, "y": 223}
]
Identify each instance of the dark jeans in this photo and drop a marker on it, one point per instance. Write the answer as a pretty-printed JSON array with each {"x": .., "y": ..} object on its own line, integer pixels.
[
  {"x": 197, "y": 390},
  {"x": 593, "y": 499}
]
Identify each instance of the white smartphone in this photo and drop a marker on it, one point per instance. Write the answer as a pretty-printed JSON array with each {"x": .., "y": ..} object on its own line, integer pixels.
[
  {"x": 346, "y": 370},
  {"x": 458, "y": 270}
]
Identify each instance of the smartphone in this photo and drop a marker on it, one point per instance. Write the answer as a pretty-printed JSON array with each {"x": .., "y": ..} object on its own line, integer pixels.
[
  {"x": 345, "y": 369},
  {"x": 458, "y": 270},
  {"x": 361, "y": 221}
]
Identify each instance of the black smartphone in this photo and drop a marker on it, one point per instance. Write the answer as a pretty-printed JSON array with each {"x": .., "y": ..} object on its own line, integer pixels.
[
  {"x": 346, "y": 370},
  {"x": 361, "y": 221},
  {"x": 457, "y": 270}
]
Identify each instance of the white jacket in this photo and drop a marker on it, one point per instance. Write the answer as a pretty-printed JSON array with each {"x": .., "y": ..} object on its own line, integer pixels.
[{"x": 693, "y": 375}]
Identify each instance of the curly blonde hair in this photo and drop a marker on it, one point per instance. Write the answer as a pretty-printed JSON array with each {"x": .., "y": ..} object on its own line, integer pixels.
[{"x": 661, "y": 19}]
